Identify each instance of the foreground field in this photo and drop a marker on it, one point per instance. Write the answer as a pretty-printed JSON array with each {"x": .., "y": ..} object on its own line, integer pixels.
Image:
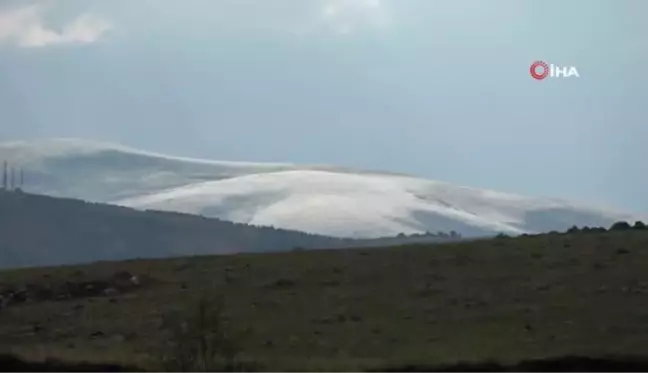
[{"x": 505, "y": 299}]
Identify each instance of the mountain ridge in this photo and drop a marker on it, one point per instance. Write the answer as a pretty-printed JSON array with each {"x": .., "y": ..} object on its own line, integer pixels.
[{"x": 318, "y": 199}]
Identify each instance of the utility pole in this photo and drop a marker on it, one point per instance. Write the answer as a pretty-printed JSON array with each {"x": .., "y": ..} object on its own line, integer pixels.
[
  {"x": 4, "y": 176},
  {"x": 13, "y": 178}
]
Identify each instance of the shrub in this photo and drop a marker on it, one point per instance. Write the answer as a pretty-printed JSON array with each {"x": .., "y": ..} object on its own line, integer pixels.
[
  {"x": 201, "y": 342},
  {"x": 283, "y": 283}
]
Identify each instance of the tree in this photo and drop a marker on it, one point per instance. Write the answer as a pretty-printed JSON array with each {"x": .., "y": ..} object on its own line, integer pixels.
[
  {"x": 620, "y": 226},
  {"x": 573, "y": 229},
  {"x": 639, "y": 225}
]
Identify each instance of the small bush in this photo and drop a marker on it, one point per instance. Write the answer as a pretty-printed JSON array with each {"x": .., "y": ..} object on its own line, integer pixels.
[
  {"x": 201, "y": 342},
  {"x": 283, "y": 283}
]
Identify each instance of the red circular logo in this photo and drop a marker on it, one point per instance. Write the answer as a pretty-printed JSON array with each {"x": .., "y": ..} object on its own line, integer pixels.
[{"x": 534, "y": 70}]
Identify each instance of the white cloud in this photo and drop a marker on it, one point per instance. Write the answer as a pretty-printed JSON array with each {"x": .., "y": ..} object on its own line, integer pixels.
[
  {"x": 29, "y": 26},
  {"x": 301, "y": 17},
  {"x": 25, "y": 27},
  {"x": 347, "y": 16}
]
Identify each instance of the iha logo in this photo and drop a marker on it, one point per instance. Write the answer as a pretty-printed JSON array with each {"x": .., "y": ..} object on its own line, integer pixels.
[{"x": 540, "y": 70}]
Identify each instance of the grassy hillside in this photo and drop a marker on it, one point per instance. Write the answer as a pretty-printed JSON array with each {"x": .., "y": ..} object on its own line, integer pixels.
[
  {"x": 505, "y": 299},
  {"x": 40, "y": 230}
]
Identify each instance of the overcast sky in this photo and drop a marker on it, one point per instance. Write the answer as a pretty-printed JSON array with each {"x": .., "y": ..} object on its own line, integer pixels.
[{"x": 435, "y": 88}]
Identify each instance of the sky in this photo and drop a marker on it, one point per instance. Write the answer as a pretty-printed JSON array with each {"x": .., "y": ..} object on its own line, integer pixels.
[{"x": 434, "y": 88}]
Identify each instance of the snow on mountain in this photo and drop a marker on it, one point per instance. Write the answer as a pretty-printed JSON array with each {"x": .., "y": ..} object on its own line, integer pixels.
[{"x": 318, "y": 199}]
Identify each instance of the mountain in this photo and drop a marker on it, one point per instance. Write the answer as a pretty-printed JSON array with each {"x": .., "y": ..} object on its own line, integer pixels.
[{"x": 317, "y": 199}]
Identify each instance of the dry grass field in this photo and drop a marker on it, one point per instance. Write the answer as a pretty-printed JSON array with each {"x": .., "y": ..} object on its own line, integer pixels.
[{"x": 503, "y": 299}]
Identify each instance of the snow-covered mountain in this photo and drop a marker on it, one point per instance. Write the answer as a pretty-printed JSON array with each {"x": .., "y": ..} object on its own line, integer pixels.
[{"x": 317, "y": 199}]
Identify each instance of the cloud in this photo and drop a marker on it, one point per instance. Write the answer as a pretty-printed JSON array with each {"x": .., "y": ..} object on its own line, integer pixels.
[
  {"x": 25, "y": 27},
  {"x": 347, "y": 16},
  {"x": 301, "y": 17},
  {"x": 31, "y": 26}
]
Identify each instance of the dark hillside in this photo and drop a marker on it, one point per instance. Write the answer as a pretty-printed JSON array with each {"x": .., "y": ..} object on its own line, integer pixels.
[{"x": 37, "y": 230}]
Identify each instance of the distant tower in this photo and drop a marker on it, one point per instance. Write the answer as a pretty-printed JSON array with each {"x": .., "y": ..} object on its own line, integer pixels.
[
  {"x": 12, "y": 181},
  {"x": 4, "y": 176}
]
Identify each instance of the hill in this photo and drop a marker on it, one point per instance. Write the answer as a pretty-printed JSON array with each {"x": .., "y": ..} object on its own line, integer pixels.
[
  {"x": 319, "y": 199},
  {"x": 400, "y": 308},
  {"x": 40, "y": 230}
]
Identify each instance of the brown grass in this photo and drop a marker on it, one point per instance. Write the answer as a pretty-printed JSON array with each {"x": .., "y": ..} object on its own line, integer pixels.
[{"x": 503, "y": 299}]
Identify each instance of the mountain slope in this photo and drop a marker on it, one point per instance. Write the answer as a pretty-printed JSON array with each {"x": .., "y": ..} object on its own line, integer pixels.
[
  {"x": 39, "y": 230},
  {"x": 317, "y": 199}
]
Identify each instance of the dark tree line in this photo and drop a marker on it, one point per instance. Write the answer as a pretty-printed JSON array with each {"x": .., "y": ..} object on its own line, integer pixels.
[{"x": 617, "y": 226}]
